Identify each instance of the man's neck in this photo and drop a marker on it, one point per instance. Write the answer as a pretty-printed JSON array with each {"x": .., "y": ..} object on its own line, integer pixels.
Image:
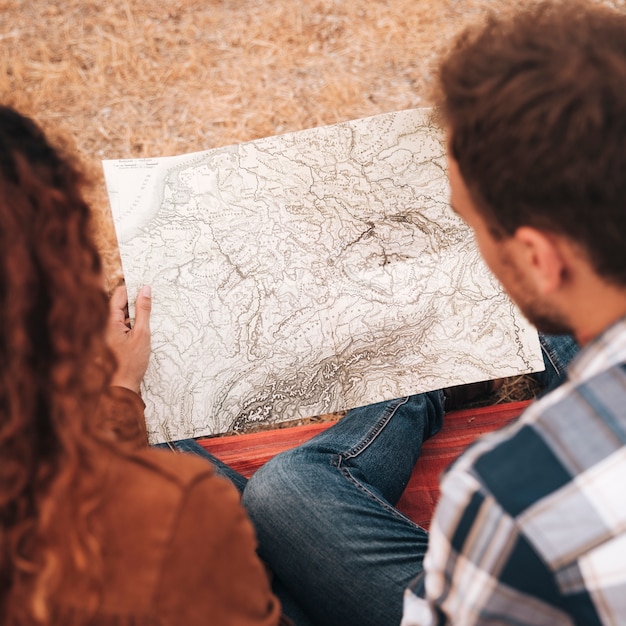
[{"x": 602, "y": 305}]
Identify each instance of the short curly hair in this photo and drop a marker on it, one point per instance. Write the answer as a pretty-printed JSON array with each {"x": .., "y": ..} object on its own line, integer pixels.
[{"x": 535, "y": 106}]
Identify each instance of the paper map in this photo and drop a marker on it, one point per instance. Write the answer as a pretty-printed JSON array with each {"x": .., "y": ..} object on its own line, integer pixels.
[{"x": 308, "y": 273}]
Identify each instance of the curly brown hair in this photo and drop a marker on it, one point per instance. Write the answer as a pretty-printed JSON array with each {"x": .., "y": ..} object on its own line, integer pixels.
[
  {"x": 54, "y": 366},
  {"x": 535, "y": 104}
]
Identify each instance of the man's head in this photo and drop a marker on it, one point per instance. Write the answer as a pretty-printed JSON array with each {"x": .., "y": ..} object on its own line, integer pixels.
[{"x": 535, "y": 108}]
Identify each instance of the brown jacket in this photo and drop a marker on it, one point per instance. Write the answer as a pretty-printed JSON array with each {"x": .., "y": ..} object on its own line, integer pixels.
[{"x": 178, "y": 548}]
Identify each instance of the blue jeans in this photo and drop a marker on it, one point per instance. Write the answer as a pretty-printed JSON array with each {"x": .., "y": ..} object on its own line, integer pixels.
[{"x": 325, "y": 512}]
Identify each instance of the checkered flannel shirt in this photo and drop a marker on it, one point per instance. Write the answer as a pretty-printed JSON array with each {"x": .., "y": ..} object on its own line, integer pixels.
[{"x": 531, "y": 524}]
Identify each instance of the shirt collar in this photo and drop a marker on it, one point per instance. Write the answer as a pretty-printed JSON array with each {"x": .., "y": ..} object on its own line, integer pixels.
[{"x": 601, "y": 353}]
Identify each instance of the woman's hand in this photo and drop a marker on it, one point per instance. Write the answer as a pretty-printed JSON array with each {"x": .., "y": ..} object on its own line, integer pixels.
[{"x": 130, "y": 346}]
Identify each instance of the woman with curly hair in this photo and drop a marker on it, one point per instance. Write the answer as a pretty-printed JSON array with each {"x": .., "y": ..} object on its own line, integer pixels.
[{"x": 95, "y": 527}]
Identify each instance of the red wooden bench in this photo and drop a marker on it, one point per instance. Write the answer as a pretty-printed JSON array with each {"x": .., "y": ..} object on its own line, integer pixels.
[{"x": 246, "y": 453}]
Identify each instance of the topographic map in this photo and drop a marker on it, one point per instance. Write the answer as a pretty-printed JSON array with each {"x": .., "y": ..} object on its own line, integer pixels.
[{"x": 305, "y": 274}]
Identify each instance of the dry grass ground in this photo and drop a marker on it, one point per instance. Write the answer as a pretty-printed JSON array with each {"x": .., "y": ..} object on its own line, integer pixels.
[{"x": 158, "y": 77}]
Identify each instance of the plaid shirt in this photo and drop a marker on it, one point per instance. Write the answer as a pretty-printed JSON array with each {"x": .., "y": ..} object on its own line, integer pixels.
[{"x": 531, "y": 524}]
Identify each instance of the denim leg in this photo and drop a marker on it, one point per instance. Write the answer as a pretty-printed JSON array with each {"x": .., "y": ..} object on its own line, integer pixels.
[
  {"x": 193, "y": 447},
  {"x": 558, "y": 351},
  {"x": 325, "y": 517}
]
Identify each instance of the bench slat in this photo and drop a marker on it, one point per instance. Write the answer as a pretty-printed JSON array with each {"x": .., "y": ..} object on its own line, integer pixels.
[{"x": 246, "y": 453}]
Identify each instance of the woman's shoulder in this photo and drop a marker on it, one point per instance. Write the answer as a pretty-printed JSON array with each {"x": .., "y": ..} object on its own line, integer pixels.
[
  {"x": 176, "y": 467},
  {"x": 145, "y": 497},
  {"x": 175, "y": 543},
  {"x": 148, "y": 482}
]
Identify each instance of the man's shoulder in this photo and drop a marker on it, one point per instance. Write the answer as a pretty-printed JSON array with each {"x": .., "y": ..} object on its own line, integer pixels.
[
  {"x": 562, "y": 436},
  {"x": 557, "y": 473}
]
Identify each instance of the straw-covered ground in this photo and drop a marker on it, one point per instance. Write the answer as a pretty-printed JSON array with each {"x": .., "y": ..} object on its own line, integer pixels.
[{"x": 160, "y": 77}]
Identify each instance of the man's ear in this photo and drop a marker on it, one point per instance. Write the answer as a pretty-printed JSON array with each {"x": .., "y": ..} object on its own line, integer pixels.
[{"x": 542, "y": 257}]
